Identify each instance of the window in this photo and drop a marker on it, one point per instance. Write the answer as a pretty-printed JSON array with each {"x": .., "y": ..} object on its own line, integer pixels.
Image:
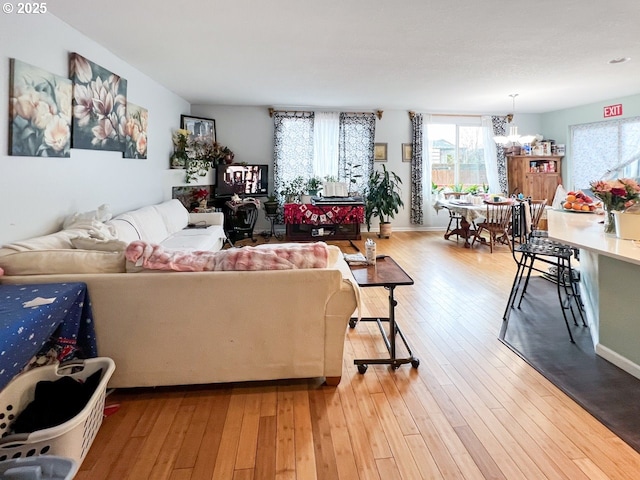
[
  {"x": 337, "y": 145},
  {"x": 605, "y": 150},
  {"x": 456, "y": 155}
]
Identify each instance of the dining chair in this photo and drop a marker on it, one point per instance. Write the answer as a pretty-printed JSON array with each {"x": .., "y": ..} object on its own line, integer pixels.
[
  {"x": 496, "y": 223},
  {"x": 454, "y": 218},
  {"x": 537, "y": 209}
]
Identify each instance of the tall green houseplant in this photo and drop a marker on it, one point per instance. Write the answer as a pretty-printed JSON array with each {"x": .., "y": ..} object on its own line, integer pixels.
[{"x": 383, "y": 199}]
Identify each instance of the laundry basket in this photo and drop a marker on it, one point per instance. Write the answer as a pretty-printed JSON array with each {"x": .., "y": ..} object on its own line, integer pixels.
[
  {"x": 45, "y": 467},
  {"x": 71, "y": 439}
]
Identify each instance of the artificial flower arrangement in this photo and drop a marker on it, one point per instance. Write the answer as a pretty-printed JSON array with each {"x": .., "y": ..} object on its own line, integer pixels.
[
  {"x": 615, "y": 195},
  {"x": 201, "y": 194},
  {"x": 179, "y": 156}
]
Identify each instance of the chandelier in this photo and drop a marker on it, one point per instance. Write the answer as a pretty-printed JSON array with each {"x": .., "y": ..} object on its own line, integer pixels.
[{"x": 513, "y": 138}]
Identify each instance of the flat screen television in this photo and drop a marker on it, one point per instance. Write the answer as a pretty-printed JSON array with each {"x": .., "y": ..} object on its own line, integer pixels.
[{"x": 250, "y": 180}]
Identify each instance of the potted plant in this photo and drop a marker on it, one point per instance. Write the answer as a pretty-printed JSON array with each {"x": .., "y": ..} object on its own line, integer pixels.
[
  {"x": 271, "y": 205},
  {"x": 292, "y": 189},
  {"x": 314, "y": 185},
  {"x": 203, "y": 156},
  {"x": 382, "y": 199}
]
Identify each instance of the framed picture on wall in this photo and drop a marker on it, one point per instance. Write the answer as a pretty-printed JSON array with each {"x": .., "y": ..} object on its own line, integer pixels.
[
  {"x": 380, "y": 152},
  {"x": 407, "y": 152},
  {"x": 200, "y": 129}
]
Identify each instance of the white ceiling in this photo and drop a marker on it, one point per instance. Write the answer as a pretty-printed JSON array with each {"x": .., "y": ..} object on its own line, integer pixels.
[{"x": 453, "y": 56}]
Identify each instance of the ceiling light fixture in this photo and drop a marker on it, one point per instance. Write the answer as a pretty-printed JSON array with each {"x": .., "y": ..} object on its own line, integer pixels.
[{"x": 513, "y": 137}]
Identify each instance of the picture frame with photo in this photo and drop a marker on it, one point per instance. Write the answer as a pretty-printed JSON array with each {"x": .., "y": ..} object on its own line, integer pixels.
[
  {"x": 200, "y": 129},
  {"x": 407, "y": 152},
  {"x": 380, "y": 152}
]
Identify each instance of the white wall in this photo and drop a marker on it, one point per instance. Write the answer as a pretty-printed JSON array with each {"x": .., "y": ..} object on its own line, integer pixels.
[{"x": 38, "y": 193}]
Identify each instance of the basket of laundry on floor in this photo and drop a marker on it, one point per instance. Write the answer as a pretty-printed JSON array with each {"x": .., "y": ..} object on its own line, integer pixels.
[{"x": 54, "y": 410}]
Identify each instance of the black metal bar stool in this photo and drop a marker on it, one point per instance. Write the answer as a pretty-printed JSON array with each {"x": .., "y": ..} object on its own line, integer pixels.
[{"x": 558, "y": 257}]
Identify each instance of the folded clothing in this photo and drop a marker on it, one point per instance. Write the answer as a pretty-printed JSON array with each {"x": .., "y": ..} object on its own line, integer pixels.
[{"x": 56, "y": 402}]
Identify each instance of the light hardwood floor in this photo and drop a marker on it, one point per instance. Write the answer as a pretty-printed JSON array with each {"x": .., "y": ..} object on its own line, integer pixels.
[{"x": 472, "y": 410}]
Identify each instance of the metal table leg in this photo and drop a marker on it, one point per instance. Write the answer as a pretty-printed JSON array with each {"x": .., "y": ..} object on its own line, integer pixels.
[{"x": 390, "y": 340}]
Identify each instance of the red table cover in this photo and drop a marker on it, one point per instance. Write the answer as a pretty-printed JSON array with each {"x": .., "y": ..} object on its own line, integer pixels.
[{"x": 303, "y": 213}]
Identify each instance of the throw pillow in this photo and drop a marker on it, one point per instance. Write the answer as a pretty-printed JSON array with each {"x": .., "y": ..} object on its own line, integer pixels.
[{"x": 86, "y": 219}]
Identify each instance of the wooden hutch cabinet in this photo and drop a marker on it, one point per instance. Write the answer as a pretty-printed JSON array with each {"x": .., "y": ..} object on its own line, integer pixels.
[{"x": 534, "y": 176}]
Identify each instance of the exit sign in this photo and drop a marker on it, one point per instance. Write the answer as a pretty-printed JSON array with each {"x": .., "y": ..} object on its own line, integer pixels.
[{"x": 613, "y": 110}]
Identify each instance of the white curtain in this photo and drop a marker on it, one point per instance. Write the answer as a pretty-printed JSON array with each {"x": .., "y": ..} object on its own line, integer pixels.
[
  {"x": 326, "y": 134},
  {"x": 490, "y": 155}
]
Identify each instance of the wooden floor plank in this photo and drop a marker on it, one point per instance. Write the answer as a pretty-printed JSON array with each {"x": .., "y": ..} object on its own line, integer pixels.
[{"x": 285, "y": 437}]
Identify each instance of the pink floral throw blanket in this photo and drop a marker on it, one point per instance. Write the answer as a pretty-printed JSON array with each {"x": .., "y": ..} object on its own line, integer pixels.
[{"x": 263, "y": 257}]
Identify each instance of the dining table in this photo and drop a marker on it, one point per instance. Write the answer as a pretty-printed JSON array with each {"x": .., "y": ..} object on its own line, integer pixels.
[{"x": 470, "y": 211}]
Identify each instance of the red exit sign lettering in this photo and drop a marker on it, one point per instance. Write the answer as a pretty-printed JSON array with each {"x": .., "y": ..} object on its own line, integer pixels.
[{"x": 613, "y": 110}]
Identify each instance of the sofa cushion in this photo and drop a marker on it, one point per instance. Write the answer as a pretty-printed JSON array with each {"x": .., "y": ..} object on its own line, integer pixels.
[
  {"x": 124, "y": 228},
  {"x": 51, "y": 262},
  {"x": 58, "y": 240},
  {"x": 174, "y": 215},
  {"x": 150, "y": 224},
  {"x": 209, "y": 239},
  {"x": 88, "y": 243}
]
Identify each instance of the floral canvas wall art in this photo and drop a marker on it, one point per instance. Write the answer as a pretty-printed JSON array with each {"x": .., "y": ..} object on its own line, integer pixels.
[
  {"x": 40, "y": 112},
  {"x": 99, "y": 106},
  {"x": 136, "y": 131}
]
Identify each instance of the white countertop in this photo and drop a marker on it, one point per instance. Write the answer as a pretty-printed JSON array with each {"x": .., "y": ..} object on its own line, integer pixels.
[{"x": 585, "y": 230}]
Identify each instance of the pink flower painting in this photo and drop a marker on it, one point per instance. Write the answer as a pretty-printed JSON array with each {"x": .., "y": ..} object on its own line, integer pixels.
[
  {"x": 136, "y": 131},
  {"x": 99, "y": 106},
  {"x": 40, "y": 112}
]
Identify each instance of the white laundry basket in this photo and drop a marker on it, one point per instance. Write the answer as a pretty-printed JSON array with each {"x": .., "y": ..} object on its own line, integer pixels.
[{"x": 73, "y": 438}]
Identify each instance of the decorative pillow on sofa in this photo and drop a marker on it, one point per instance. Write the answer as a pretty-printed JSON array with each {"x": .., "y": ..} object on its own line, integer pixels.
[
  {"x": 86, "y": 219},
  {"x": 88, "y": 243},
  {"x": 51, "y": 262}
]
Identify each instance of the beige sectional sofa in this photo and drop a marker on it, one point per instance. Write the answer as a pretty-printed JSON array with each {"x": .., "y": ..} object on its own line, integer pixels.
[{"x": 173, "y": 328}]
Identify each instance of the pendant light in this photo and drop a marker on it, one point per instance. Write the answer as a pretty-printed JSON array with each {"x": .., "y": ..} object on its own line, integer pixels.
[{"x": 513, "y": 137}]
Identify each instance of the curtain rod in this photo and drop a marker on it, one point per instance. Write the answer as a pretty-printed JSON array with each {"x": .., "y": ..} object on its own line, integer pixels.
[
  {"x": 273, "y": 110},
  {"x": 475, "y": 115}
]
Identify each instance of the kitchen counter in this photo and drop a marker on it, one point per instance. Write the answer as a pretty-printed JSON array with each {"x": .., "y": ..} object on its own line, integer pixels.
[{"x": 610, "y": 284}]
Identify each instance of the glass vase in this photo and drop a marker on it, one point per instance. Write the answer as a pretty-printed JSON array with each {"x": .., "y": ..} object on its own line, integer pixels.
[{"x": 609, "y": 221}]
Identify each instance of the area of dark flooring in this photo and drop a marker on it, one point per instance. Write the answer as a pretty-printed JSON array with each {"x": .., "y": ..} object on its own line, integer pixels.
[{"x": 538, "y": 334}]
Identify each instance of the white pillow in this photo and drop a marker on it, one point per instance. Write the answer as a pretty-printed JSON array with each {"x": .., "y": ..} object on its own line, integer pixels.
[
  {"x": 88, "y": 243},
  {"x": 86, "y": 219}
]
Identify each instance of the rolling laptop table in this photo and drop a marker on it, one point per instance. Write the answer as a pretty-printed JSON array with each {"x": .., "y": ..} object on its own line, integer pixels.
[{"x": 388, "y": 274}]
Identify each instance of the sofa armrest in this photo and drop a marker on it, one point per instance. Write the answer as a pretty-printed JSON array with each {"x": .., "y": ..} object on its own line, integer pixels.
[{"x": 211, "y": 218}]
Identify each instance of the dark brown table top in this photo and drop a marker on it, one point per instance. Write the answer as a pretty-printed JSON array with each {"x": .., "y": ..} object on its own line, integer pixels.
[{"x": 385, "y": 273}]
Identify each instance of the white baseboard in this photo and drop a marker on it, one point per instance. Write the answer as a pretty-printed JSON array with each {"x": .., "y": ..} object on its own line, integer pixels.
[{"x": 618, "y": 360}]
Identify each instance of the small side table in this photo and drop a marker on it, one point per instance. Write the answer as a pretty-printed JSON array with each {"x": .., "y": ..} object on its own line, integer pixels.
[
  {"x": 272, "y": 217},
  {"x": 388, "y": 274}
]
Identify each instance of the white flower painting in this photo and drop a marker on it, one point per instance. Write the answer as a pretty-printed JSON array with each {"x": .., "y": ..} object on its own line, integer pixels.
[
  {"x": 99, "y": 106},
  {"x": 40, "y": 112}
]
